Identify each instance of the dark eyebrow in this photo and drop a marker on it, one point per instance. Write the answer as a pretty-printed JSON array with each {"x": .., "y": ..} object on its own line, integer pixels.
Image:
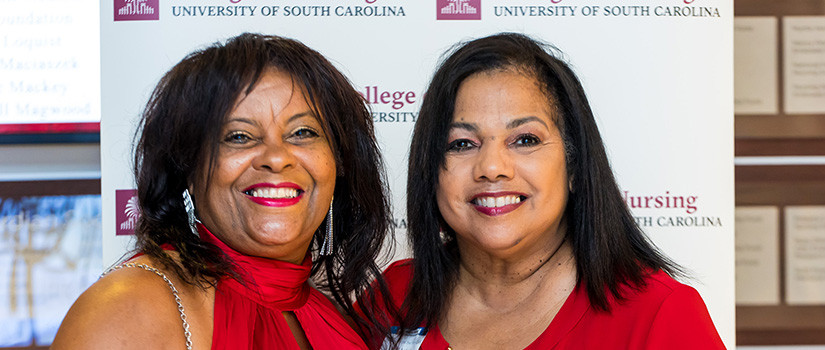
[
  {"x": 521, "y": 121},
  {"x": 290, "y": 120},
  {"x": 241, "y": 120},
  {"x": 465, "y": 126},
  {"x": 301, "y": 115}
]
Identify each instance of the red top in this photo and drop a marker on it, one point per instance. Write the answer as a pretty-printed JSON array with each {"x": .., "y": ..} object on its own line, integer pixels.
[
  {"x": 664, "y": 315},
  {"x": 250, "y": 316}
]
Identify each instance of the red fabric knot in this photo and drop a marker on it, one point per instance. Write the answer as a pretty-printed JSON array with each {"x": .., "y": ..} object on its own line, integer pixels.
[
  {"x": 250, "y": 316},
  {"x": 274, "y": 284}
]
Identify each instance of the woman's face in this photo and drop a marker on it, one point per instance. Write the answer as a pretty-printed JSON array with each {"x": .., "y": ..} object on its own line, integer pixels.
[
  {"x": 504, "y": 186},
  {"x": 274, "y": 175}
]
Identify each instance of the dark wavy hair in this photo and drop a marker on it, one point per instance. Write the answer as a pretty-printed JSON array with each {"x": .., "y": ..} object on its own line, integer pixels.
[
  {"x": 178, "y": 140},
  {"x": 609, "y": 248}
]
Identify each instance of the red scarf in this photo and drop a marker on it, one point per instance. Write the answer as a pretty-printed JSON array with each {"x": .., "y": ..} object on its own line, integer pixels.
[{"x": 249, "y": 316}]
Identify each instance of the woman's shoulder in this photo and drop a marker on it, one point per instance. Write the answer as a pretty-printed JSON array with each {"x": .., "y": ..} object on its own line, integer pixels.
[
  {"x": 659, "y": 286},
  {"x": 681, "y": 315},
  {"x": 130, "y": 307},
  {"x": 398, "y": 277},
  {"x": 399, "y": 271},
  {"x": 656, "y": 288},
  {"x": 661, "y": 313}
]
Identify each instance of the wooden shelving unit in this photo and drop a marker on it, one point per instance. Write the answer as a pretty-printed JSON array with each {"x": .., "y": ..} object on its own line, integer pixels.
[{"x": 780, "y": 135}]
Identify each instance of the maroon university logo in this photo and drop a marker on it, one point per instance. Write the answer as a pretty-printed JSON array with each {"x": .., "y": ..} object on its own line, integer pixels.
[
  {"x": 127, "y": 212},
  {"x": 458, "y": 9},
  {"x": 136, "y": 10}
]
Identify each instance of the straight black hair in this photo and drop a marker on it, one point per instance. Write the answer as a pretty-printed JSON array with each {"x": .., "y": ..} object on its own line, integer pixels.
[{"x": 609, "y": 248}]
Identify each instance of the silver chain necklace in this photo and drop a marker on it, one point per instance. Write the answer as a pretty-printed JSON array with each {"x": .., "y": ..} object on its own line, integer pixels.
[{"x": 186, "y": 332}]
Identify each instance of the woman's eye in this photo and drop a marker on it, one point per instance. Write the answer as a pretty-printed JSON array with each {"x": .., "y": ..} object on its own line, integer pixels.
[
  {"x": 460, "y": 145},
  {"x": 527, "y": 140},
  {"x": 304, "y": 133},
  {"x": 238, "y": 137}
]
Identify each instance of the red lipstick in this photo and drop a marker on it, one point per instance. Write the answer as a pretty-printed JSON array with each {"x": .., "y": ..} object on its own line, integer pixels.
[
  {"x": 496, "y": 211},
  {"x": 266, "y": 200}
]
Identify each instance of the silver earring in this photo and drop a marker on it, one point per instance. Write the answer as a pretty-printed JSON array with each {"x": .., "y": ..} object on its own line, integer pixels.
[
  {"x": 326, "y": 248},
  {"x": 189, "y": 205},
  {"x": 443, "y": 235}
]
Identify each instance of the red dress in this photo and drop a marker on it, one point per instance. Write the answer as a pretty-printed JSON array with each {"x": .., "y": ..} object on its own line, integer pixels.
[
  {"x": 250, "y": 316},
  {"x": 664, "y": 315}
]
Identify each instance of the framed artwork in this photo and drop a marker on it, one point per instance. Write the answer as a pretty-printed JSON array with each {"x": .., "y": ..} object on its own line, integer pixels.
[{"x": 50, "y": 252}]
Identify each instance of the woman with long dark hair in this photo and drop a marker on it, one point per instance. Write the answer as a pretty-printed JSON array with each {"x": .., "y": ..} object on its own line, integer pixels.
[
  {"x": 520, "y": 235},
  {"x": 257, "y": 169}
]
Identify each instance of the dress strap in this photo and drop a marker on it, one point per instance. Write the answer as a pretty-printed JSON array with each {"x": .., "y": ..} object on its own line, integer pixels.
[{"x": 171, "y": 285}]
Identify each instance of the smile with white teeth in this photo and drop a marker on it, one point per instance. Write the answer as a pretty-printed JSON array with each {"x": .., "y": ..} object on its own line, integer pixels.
[
  {"x": 495, "y": 202},
  {"x": 274, "y": 193}
]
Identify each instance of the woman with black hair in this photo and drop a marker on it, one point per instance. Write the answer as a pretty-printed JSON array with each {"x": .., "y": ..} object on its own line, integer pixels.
[
  {"x": 242, "y": 149},
  {"x": 520, "y": 235}
]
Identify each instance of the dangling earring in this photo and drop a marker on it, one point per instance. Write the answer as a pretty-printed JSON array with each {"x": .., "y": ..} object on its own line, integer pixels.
[
  {"x": 189, "y": 205},
  {"x": 326, "y": 248},
  {"x": 443, "y": 235}
]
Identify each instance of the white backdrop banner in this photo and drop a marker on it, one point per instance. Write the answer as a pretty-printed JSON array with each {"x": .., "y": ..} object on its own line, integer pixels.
[{"x": 659, "y": 75}]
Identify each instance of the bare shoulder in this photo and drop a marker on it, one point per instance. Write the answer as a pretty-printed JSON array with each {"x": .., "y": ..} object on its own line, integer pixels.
[{"x": 129, "y": 308}]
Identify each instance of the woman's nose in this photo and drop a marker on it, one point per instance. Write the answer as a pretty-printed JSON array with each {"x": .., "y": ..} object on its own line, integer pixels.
[
  {"x": 493, "y": 163},
  {"x": 273, "y": 156}
]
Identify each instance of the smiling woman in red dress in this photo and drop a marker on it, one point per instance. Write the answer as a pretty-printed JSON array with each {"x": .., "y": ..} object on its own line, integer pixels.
[
  {"x": 242, "y": 148},
  {"x": 521, "y": 238}
]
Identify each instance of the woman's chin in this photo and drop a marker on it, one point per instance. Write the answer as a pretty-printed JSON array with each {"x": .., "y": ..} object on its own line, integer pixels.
[
  {"x": 280, "y": 244},
  {"x": 273, "y": 233},
  {"x": 501, "y": 246}
]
